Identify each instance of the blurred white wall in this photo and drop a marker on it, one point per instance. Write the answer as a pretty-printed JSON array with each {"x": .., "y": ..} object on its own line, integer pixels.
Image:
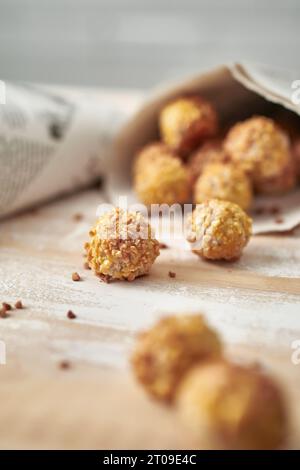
[{"x": 138, "y": 43}]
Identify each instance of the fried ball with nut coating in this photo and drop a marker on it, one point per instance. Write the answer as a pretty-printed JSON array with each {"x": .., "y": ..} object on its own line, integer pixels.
[
  {"x": 218, "y": 230},
  {"x": 122, "y": 246},
  {"x": 210, "y": 152},
  {"x": 186, "y": 122},
  {"x": 224, "y": 181},
  {"x": 263, "y": 150},
  {"x": 169, "y": 349},
  {"x": 160, "y": 177},
  {"x": 235, "y": 407}
]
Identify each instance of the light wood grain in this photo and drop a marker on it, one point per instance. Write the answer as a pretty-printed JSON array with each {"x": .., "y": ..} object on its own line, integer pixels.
[{"x": 254, "y": 303}]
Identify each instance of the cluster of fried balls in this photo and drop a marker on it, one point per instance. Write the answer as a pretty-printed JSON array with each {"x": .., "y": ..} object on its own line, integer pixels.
[
  {"x": 181, "y": 361},
  {"x": 192, "y": 163},
  {"x": 256, "y": 156}
]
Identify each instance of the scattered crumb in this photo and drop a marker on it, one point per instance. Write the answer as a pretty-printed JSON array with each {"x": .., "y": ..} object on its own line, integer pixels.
[
  {"x": 172, "y": 274},
  {"x": 75, "y": 277},
  {"x": 163, "y": 246},
  {"x": 71, "y": 315},
  {"x": 105, "y": 278},
  {"x": 279, "y": 220},
  {"x": 19, "y": 304},
  {"x": 65, "y": 365},
  {"x": 86, "y": 265},
  {"x": 260, "y": 210},
  {"x": 6, "y": 306},
  {"x": 274, "y": 210},
  {"x": 3, "y": 313},
  {"x": 77, "y": 217}
]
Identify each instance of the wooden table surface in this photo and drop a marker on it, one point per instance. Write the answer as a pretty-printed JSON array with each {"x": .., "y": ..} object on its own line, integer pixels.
[{"x": 254, "y": 303}]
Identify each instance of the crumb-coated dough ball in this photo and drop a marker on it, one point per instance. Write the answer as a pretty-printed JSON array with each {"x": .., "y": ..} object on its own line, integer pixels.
[
  {"x": 164, "y": 353},
  {"x": 263, "y": 150},
  {"x": 210, "y": 152},
  {"x": 160, "y": 176},
  {"x": 122, "y": 246},
  {"x": 186, "y": 122},
  {"x": 218, "y": 230},
  {"x": 224, "y": 181},
  {"x": 235, "y": 407}
]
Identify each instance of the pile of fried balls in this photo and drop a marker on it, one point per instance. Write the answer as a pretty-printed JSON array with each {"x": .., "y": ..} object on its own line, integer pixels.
[
  {"x": 221, "y": 175},
  {"x": 193, "y": 162}
]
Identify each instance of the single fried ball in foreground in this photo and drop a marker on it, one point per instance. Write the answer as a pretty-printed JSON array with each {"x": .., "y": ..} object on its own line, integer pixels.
[
  {"x": 160, "y": 177},
  {"x": 186, "y": 122},
  {"x": 224, "y": 181},
  {"x": 234, "y": 407},
  {"x": 169, "y": 349},
  {"x": 210, "y": 152},
  {"x": 218, "y": 230},
  {"x": 122, "y": 246},
  {"x": 263, "y": 150}
]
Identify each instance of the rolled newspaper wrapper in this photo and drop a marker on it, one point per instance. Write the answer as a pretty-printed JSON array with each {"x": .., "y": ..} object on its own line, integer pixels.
[
  {"x": 55, "y": 140},
  {"x": 237, "y": 91}
]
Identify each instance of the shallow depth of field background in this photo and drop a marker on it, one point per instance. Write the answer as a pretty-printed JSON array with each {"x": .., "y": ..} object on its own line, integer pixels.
[{"x": 138, "y": 43}]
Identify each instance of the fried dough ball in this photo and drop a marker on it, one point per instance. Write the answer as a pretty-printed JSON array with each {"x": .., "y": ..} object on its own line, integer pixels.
[
  {"x": 218, "y": 230},
  {"x": 186, "y": 122},
  {"x": 235, "y": 407},
  {"x": 159, "y": 176},
  {"x": 210, "y": 152},
  {"x": 263, "y": 150},
  {"x": 122, "y": 246},
  {"x": 169, "y": 349},
  {"x": 224, "y": 181}
]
